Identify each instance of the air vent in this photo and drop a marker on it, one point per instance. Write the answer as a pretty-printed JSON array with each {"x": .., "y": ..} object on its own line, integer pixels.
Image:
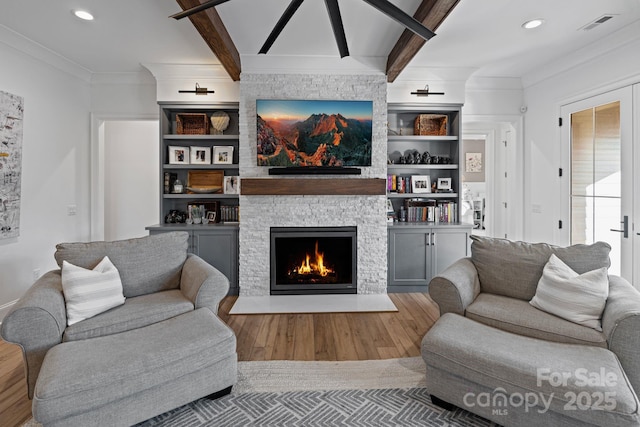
[{"x": 593, "y": 24}]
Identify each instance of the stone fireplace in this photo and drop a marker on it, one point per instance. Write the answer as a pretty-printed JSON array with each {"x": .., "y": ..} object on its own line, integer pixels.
[
  {"x": 313, "y": 260},
  {"x": 261, "y": 213}
]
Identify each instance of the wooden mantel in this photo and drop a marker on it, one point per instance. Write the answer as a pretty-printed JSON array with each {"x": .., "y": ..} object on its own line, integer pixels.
[{"x": 313, "y": 186}]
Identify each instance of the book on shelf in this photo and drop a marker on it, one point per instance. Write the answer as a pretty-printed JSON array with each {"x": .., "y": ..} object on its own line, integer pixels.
[
  {"x": 448, "y": 212},
  {"x": 420, "y": 209},
  {"x": 169, "y": 180},
  {"x": 399, "y": 184},
  {"x": 230, "y": 214},
  {"x": 430, "y": 210}
]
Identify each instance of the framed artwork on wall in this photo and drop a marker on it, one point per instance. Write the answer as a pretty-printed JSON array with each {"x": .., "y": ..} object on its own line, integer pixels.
[{"x": 473, "y": 162}]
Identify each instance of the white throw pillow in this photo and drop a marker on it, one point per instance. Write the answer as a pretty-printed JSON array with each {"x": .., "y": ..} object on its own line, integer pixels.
[
  {"x": 90, "y": 292},
  {"x": 579, "y": 298}
]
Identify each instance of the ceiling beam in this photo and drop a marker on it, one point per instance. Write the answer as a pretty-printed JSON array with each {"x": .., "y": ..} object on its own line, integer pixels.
[
  {"x": 214, "y": 33},
  {"x": 338, "y": 28},
  {"x": 282, "y": 22},
  {"x": 431, "y": 13}
]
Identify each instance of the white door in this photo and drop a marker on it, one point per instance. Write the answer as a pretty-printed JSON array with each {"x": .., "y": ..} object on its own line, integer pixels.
[{"x": 597, "y": 174}]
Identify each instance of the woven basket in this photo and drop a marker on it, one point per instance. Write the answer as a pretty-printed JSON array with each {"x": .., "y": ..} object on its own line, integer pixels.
[
  {"x": 192, "y": 124},
  {"x": 430, "y": 124}
]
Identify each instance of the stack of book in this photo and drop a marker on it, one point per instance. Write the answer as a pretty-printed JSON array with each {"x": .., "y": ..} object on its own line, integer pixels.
[
  {"x": 430, "y": 210},
  {"x": 399, "y": 184},
  {"x": 230, "y": 213},
  {"x": 448, "y": 212}
]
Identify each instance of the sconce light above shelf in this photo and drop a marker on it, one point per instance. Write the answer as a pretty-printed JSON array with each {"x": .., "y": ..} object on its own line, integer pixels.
[
  {"x": 425, "y": 92},
  {"x": 198, "y": 91}
]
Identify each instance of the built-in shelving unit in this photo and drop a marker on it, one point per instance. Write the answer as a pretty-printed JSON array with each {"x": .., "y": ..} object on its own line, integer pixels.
[
  {"x": 215, "y": 242},
  {"x": 169, "y": 137},
  {"x": 413, "y": 155}
]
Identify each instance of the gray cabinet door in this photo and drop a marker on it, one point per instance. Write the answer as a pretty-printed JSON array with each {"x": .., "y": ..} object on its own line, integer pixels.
[
  {"x": 220, "y": 249},
  {"x": 408, "y": 259},
  {"x": 448, "y": 247}
]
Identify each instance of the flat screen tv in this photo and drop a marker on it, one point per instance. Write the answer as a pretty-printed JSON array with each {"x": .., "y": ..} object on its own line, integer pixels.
[{"x": 314, "y": 134}]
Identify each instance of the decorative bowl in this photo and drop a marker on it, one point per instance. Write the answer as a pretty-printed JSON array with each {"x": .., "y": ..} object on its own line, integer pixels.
[{"x": 204, "y": 190}]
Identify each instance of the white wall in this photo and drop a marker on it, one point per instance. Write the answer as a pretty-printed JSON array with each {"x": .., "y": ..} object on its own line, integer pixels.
[
  {"x": 55, "y": 168},
  {"x": 616, "y": 65}
]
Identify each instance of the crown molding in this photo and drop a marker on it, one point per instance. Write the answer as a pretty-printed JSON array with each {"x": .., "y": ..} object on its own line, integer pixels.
[
  {"x": 605, "y": 46},
  {"x": 429, "y": 74},
  {"x": 187, "y": 71},
  {"x": 142, "y": 77},
  {"x": 43, "y": 54},
  {"x": 479, "y": 83}
]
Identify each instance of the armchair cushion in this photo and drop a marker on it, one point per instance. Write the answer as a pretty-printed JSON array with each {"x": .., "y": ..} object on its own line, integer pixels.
[
  {"x": 146, "y": 264},
  {"x": 579, "y": 298},
  {"x": 513, "y": 269},
  {"x": 136, "y": 312},
  {"x": 519, "y": 317},
  {"x": 90, "y": 292}
]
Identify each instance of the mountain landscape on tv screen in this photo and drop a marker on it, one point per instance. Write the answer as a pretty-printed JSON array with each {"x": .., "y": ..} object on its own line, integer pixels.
[{"x": 320, "y": 140}]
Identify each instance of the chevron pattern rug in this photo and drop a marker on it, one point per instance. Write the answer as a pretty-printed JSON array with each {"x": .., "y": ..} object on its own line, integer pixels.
[{"x": 352, "y": 408}]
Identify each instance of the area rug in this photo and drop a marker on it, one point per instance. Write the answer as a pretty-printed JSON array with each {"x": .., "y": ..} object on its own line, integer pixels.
[{"x": 292, "y": 393}]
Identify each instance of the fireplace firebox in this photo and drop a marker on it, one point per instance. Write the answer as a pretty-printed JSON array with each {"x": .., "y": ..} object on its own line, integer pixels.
[{"x": 313, "y": 260}]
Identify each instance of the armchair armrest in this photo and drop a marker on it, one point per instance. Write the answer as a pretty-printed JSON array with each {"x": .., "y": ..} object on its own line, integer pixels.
[
  {"x": 621, "y": 323},
  {"x": 202, "y": 283},
  {"x": 36, "y": 323},
  {"x": 456, "y": 287}
]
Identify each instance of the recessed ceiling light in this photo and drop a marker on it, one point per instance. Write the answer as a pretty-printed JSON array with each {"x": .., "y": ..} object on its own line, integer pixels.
[
  {"x": 534, "y": 23},
  {"x": 83, "y": 14}
]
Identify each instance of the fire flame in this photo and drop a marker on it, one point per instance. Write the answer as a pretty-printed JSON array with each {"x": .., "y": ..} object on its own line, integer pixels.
[{"x": 314, "y": 267}]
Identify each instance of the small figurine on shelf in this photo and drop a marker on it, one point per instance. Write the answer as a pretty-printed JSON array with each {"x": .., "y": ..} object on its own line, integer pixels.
[
  {"x": 178, "y": 187},
  {"x": 175, "y": 217},
  {"x": 426, "y": 158}
]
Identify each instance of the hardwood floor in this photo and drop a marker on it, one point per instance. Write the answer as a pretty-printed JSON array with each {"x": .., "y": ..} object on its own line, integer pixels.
[{"x": 326, "y": 336}]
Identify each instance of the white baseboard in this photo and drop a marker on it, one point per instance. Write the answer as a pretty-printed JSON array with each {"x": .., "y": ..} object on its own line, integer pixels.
[{"x": 4, "y": 309}]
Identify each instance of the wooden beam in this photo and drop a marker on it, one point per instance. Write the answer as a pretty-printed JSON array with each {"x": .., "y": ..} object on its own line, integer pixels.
[
  {"x": 313, "y": 186},
  {"x": 214, "y": 33},
  {"x": 431, "y": 13}
]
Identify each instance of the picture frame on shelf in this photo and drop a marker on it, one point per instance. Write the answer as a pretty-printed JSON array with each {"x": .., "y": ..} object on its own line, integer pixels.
[
  {"x": 444, "y": 184},
  {"x": 421, "y": 183},
  {"x": 200, "y": 155},
  {"x": 231, "y": 185},
  {"x": 211, "y": 217},
  {"x": 223, "y": 155},
  {"x": 178, "y": 155}
]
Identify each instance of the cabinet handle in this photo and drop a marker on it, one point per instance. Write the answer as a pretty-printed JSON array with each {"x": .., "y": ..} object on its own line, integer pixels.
[{"x": 430, "y": 239}]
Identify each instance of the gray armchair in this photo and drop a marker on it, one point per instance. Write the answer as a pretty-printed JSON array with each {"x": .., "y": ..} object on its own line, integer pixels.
[
  {"x": 160, "y": 281},
  {"x": 486, "y": 298}
]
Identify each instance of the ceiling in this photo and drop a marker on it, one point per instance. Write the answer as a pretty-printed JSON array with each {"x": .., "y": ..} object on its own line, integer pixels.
[{"x": 484, "y": 35}]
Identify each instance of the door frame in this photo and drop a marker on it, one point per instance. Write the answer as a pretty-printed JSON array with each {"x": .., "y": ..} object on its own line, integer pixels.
[
  {"x": 635, "y": 231},
  {"x": 625, "y": 96},
  {"x": 97, "y": 166},
  {"x": 515, "y": 167}
]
